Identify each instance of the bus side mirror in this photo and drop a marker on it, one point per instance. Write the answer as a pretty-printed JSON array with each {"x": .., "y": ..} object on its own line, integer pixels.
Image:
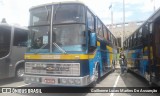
[{"x": 93, "y": 39}]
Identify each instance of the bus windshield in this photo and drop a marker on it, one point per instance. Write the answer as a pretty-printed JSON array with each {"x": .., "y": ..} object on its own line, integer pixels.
[
  {"x": 69, "y": 37},
  {"x": 5, "y": 38},
  {"x": 68, "y": 29},
  {"x": 69, "y": 13}
]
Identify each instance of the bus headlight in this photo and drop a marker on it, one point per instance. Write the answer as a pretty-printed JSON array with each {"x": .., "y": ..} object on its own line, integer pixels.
[
  {"x": 32, "y": 79},
  {"x": 37, "y": 80},
  {"x": 71, "y": 81},
  {"x": 64, "y": 81},
  {"x": 77, "y": 81}
]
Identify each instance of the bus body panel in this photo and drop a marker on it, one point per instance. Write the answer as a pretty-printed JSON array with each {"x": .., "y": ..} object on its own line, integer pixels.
[
  {"x": 9, "y": 61},
  {"x": 4, "y": 65},
  {"x": 143, "y": 50},
  {"x": 19, "y": 51}
]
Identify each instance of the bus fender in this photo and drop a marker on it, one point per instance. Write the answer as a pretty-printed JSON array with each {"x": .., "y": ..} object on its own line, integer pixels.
[
  {"x": 19, "y": 70},
  {"x": 18, "y": 63},
  {"x": 96, "y": 73}
]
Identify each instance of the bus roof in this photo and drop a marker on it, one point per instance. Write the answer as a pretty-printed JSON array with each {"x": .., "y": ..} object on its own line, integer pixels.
[
  {"x": 15, "y": 26},
  {"x": 64, "y": 2}
]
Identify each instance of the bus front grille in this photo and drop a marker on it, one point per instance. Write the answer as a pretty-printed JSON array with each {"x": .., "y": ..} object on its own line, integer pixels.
[{"x": 71, "y": 69}]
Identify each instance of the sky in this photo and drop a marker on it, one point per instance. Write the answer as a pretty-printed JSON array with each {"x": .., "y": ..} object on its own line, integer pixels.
[{"x": 17, "y": 11}]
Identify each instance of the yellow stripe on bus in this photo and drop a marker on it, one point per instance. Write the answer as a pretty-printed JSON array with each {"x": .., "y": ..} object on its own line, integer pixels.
[
  {"x": 110, "y": 49},
  {"x": 145, "y": 57},
  {"x": 145, "y": 48},
  {"x": 151, "y": 51},
  {"x": 98, "y": 43},
  {"x": 59, "y": 57}
]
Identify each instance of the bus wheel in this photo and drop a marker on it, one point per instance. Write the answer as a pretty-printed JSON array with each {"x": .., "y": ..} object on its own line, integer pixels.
[
  {"x": 96, "y": 77},
  {"x": 96, "y": 74},
  {"x": 20, "y": 73},
  {"x": 113, "y": 66}
]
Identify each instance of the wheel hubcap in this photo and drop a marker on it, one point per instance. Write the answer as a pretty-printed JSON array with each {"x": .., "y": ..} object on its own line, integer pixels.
[
  {"x": 96, "y": 74},
  {"x": 20, "y": 72}
]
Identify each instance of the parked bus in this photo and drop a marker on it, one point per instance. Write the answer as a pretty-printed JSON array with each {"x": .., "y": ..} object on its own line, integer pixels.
[
  {"x": 143, "y": 49},
  {"x": 13, "y": 41},
  {"x": 69, "y": 46}
]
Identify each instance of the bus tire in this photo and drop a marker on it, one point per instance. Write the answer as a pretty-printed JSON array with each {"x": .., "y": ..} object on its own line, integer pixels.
[
  {"x": 19, "y": 73},
  {"x": 113, "y": 66},
  {"x": 97, "y": 76},
  {"x": 98, "y": 73}
]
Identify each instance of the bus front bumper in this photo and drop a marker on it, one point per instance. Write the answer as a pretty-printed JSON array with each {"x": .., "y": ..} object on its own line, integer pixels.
[{"x": 57, "y": 80}]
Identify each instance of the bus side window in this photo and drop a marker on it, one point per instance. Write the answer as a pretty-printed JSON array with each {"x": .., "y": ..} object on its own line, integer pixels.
[
  {"x": 99, "y": 28},
  {"x": 90, "y": 20},
  {"x": 20, "y": 37},
  {"x": 115, "y": 41},
  {"x": 109, "y": 36},
  {"x": 131, "y": 41},
  {"x": 105, "y": 32},
  {"x": 111, "y": 39},
  {"x": 134, "y": 40},
  {"x": 150, "y": 28},
  {"x": 128, "y": 43},
  {"x": 139, "y": 36}
]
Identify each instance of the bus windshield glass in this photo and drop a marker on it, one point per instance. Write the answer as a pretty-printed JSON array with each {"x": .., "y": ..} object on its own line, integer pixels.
[
  {"x": 69, "y": 37},
  {"x": 68, "y": 29},
  {"x": 5, "y": 38},
  {"x": 40, "y": 16},
  {"x": 38, "y": 39},
  {"x": 69, "y": 13},
  {"x": 39, "y": 29}
]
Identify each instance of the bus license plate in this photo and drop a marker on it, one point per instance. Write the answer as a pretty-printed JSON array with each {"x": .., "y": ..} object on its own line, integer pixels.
[{"x": 48, "y": 81}]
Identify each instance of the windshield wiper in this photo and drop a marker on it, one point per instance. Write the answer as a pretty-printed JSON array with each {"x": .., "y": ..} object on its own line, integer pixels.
[
  {"x": 59, "y": 48},
  {"x": 40, "y": 48}
]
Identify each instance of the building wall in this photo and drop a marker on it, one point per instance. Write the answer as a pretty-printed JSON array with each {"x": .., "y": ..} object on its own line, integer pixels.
[{"x": 130, "y": 27}]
